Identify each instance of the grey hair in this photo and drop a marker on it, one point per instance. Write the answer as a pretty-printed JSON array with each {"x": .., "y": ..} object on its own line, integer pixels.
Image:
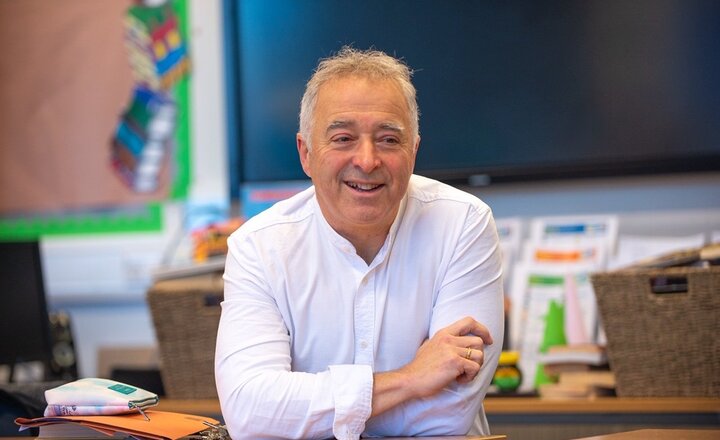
[{"x": 371, "y": 64}]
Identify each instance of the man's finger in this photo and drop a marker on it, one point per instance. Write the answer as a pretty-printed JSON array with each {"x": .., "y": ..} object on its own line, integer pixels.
[
  {"x": 473, "y": 354},
  {"x": 470, "y": 370},
  {"x": 469, "y": 325},
  {"x": 472, "y": 341}
]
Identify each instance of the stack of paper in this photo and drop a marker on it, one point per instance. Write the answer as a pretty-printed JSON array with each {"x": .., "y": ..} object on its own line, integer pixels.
[
  {"x": 634, "y": 249},
  {"x": 552, "y": 300},
  {"x": 576, "y": 371}
]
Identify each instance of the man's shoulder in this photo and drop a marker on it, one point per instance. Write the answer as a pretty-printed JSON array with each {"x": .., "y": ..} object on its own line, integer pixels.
[
  {"x": 429, "y": 191},
  {"x": 287, "y": 213}
]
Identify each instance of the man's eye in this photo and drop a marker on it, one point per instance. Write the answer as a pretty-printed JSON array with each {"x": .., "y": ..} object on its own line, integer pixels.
[
  {"x": 390, "y": 141},
  {"x": 342, "y": 139}
]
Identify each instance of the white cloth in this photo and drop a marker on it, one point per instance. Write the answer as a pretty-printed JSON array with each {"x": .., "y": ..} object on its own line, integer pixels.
[
  {"x": 305, "y": 321},
  {"x": 92, "y": 396}
]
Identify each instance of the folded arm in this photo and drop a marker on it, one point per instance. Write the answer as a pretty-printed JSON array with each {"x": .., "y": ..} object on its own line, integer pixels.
[
  {"x": 439, "y": 392},
  {"x": 444, "y": 391}
]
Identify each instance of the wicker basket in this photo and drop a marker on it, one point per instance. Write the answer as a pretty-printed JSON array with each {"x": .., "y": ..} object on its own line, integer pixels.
[
  {"x": 663, "y": 330},
  {"x": 186, "y": 313}
]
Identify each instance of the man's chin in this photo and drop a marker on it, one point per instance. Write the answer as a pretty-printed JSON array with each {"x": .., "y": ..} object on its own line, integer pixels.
[{"x": 363, "y": 217}]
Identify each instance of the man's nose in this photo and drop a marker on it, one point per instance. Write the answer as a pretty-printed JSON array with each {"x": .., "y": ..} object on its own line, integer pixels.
[{"x": 366, "y": 157}]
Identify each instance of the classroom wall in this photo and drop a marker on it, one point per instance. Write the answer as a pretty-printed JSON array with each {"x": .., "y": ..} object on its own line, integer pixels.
[
  {"x": 673, "y": 205},
  {"x": 101, "y": 281},
  {"x": 667, "y": 206}
]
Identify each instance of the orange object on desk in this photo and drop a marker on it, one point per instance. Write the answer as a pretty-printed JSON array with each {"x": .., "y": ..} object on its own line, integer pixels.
[{"x": 158, "y": 425}]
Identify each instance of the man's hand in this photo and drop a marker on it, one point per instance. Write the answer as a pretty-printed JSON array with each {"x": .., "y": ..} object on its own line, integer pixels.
[{"x": 455, "y": 352}]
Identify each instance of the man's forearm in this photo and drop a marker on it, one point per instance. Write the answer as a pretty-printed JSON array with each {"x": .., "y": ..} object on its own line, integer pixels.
[
  {"x": 455, "y": 353},
  {"x": 389, "y": 390}
]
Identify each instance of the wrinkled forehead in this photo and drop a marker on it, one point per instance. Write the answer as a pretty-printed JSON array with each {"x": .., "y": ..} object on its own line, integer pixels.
[
  {"x": 358, "y": 79},
  {"x": 360, "y": 91}
]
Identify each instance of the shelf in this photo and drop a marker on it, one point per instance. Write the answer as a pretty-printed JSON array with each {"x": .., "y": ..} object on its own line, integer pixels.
[
  {"x": 634, "y": 405},
  {"x": 533, "y": 405}
]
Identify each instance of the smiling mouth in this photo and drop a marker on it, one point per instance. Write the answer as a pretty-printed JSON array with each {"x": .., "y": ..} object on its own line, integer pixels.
[{"x": 364, "y": 187}]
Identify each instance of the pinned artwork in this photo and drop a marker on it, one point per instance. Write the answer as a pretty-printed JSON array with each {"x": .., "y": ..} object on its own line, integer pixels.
[
  {"x": 157, "y": 52},
  {"x": 142, "y": 138},
  {"x": 158, "y": 58}
]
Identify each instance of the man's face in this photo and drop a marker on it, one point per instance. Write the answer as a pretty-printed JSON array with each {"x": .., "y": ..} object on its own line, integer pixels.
[{"x": 362, "y": 153}]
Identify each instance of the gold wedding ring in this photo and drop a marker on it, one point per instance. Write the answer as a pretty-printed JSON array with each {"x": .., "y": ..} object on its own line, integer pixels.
[{"x": 468, "y": 353}]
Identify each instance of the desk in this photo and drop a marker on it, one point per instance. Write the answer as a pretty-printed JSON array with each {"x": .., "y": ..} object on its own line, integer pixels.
[
  {"x": 661, "y": 434},
  {"x": 551, "y": 419},
  {"x": 453, "y": 437},
  {"x": 534, "y": 418},
  {"x": 525, "y": 405},
  {"x": 600, "y": 405}
]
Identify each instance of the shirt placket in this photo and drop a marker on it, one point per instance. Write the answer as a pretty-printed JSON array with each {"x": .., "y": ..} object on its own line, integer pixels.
[{"x": 365, "y": 320}]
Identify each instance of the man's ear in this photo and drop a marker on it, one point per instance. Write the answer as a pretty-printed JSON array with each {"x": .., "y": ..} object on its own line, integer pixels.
[{"x": 304, "y": 153}]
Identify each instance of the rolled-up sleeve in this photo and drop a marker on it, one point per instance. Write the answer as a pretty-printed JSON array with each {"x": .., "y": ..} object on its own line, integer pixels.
[{"x": 352, "y": 394}]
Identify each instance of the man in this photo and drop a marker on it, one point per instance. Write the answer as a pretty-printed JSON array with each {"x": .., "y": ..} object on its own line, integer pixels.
[{"x": 365, "y": 304}]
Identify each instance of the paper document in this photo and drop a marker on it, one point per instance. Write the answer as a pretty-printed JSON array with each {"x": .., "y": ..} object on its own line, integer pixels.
[
  {"x": 634, "y": 248},
  {"x": 576, "y": 229},
  {"x": 551, "y": 306}
]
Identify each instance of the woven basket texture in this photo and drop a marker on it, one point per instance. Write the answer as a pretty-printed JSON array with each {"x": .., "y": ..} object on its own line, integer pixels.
[
  {"x": 662, "y": 344},
  {"x": 186, "y": 314}
]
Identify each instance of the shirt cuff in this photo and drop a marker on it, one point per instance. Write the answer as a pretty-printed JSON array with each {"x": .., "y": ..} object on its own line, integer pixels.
[{"x": 352, "y": 392}]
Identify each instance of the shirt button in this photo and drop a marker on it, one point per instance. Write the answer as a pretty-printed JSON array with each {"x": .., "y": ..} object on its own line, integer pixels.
[{"x": 363, "y": 345}]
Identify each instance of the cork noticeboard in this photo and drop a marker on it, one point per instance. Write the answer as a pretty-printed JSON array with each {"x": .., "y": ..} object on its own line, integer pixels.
[{"x": 65, "y": 80}]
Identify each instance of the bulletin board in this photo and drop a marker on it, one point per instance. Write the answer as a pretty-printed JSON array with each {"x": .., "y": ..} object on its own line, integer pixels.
[{"x": 65, "y": 80}]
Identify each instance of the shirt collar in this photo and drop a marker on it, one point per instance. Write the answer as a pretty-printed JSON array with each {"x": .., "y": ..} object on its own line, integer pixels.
[{"x": 344, "y": 244}]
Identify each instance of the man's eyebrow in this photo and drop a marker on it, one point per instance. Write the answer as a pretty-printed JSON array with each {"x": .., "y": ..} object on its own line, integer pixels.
[
  {"x": 342, "y": 123},
  {"x": 391, "y": 126},
  {"x": 339, "y": 124}
]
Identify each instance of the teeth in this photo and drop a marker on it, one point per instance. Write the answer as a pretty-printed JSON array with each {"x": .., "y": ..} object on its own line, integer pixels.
[{"x": 363, "y": 186}]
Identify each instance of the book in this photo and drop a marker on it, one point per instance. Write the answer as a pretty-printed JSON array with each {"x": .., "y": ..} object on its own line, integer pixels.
[
  {"x": 564, "y": 391},
  {"x": 554, "y": 370},
  {"x": 594, "y": 378},
  {"x": 580, "y": 384},
  {"x": 76, "y": 431},
  {"x": 584, "y": 354},
  {"x": 578, "y": 371}
]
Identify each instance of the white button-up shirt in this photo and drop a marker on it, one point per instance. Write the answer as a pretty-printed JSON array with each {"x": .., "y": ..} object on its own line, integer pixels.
[{"x": 306, "y": 322}]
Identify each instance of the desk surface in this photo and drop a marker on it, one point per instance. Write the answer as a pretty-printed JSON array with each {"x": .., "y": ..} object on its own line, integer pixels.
[
  {"x": 448, "y": 437},
  {"x": 454, "y": 437},
  {"x": 661, "y": 434},
  {"x": 533, "y": 405},
  {"x": 630, "y": 405}
]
